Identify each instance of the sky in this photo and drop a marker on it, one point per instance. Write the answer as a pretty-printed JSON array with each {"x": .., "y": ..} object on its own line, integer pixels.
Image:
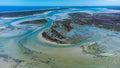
[{"x": 60, "y": 2}]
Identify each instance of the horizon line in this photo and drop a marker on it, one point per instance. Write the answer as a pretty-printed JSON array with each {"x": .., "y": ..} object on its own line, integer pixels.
[{"x": 62, "y": 6}]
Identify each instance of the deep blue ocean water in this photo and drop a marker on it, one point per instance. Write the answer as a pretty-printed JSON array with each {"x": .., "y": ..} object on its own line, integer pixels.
[{"x": 22, "y": 8}]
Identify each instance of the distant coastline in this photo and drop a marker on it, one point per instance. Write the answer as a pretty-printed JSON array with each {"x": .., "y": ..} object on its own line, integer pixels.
[
  {"x": 26, "y": 12},
  {"x": 18, "y": 11},
  {"x": 28, "y": 8}
]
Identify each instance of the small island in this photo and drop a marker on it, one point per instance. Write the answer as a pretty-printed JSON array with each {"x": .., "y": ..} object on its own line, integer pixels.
[{"x": 60, "y": 29}]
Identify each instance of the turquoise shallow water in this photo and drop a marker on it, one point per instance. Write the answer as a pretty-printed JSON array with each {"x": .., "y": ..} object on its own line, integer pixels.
[{"x": 26, "y": 44}]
